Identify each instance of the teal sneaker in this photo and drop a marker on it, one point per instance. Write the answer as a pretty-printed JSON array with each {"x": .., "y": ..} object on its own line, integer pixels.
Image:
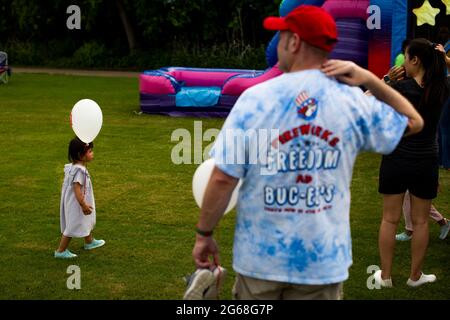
[
  {"x": 65, "y": 255},
  {"x": 94, "y": 244},
  {"x": 444, "y": 230},
  {"x": 403, "y": 237}
]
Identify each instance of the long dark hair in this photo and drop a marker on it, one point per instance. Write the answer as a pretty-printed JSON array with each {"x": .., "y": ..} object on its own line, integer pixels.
[
  {"x": 435, "y": 78},
  {"x": 77, "y": 149}
]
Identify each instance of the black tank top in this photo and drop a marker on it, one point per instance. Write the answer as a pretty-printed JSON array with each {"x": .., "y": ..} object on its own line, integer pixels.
[{"x": 423, "y": 144}]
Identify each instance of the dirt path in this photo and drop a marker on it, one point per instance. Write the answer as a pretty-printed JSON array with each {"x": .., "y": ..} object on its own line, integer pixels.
[{"x": 74, "y": 72}]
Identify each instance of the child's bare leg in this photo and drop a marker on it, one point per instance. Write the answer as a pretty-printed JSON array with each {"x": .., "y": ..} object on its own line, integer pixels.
[
  {"x": 88, "y": 239},
  {"x": 437, "y": 216},
  {"x": 64, "y": 243},
  {"x": 407, "y": 214}
]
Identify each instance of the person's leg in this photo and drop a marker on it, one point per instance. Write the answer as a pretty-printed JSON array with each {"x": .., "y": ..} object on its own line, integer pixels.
[
  {"x": 420, "y": 213},
  {"x": 392, "y": 211},
  {"x": 88, "y": 239},
  {"x": 407, "y": 214},
  {"x": 91, "y": 243},
  {"x": 437, "y": 216},
  {"x": 62, "y": 252},
  {"x": 63, "y": 244}
]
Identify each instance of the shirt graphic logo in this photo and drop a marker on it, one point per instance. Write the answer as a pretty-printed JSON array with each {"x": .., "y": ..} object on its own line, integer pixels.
[{"x": 306, "y": 107}]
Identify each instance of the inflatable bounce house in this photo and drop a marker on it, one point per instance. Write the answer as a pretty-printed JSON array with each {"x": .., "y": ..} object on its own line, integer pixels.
[{"x": 198, "y": 92}]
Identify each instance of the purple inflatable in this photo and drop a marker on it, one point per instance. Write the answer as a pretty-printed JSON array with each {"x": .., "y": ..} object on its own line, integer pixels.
[
  {"x": 212, "y": 92},
  {"x": 195, "y": 91}
]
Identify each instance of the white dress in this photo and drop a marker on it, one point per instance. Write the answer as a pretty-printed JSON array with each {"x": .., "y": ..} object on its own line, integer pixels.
[{"x": 74, "y": 223}]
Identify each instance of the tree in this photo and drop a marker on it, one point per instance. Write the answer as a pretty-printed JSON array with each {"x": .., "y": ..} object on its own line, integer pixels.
[{"x": 127, "y": 25}]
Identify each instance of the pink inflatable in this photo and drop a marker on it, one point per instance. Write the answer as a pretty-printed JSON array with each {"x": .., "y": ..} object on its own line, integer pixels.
[{"x": 197, "y": 92}]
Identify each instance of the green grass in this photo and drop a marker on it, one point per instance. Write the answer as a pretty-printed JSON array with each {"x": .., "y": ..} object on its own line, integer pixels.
[{"x": 145, "y": 208}]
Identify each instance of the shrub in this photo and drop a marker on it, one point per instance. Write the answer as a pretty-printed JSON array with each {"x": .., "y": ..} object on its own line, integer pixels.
[
  {"x": 94, "y": 55},
  {"x": 24, "y": 53},
  {"x": 91, "y": 54}
]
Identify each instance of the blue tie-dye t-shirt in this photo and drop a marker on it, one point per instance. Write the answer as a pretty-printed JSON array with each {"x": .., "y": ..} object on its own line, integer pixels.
[{"x": 293, "y": 224}]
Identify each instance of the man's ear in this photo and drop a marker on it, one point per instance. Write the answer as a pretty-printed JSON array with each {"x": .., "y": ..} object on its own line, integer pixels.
[{"x": 295, "y": 43}]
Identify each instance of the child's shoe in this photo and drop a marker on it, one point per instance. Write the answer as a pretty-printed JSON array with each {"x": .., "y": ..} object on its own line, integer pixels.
[
  {"x": 424, "y": 278},
  {"x": 403, "y": 236},
  {"x": 386, "y": 283},
  {"x": 212, "y": 293},
  {"x": 94, "y": 244},
  {"x": 444, "y": 230},
  {"x": 66, "y": 254},
  {"x": 198, "y": 283}
]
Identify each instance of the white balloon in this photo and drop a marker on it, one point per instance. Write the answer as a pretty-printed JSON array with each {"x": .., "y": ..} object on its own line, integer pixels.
[
  {"x": 86, "y": 119},
  {"x": 200, "y": 182}
]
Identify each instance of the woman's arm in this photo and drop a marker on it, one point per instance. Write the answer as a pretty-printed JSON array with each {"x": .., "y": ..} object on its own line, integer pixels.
[
  {"x": 351, "y": 74},
  {"x": 440, "y": 48}
]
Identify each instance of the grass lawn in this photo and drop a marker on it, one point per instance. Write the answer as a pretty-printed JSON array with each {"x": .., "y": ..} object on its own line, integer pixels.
[{"x": 145, "y": 208}]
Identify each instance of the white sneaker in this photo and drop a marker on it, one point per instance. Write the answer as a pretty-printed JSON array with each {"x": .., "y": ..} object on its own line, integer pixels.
[
  {"x": 444, "y": 230},
  {"x": 424, "y": 278},
  {"x": 212, "y": 293},
  {"x": 387, "y": 283},
  {"x": 198, "y": 283}
]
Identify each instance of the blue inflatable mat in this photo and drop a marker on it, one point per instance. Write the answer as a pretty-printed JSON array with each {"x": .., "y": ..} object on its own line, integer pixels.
[{"x": 198, "y": 96}]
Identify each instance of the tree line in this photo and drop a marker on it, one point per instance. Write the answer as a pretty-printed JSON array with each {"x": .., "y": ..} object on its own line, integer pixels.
[{"x": 126, "y": 33}]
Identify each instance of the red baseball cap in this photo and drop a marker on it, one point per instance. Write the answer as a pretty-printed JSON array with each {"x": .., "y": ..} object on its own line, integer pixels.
[{"x": 312, "y": 24}]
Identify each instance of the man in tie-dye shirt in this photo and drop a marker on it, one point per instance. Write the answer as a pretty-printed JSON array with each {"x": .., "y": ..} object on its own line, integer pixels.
[{"x": 292, "y": 237}]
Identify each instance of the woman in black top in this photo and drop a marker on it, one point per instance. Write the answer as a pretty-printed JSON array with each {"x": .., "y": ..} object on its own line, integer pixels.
[{"x": 414, "y": 164}]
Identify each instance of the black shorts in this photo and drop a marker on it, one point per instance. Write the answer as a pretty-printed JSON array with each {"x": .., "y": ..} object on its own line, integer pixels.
[{"x": 420, "y": 177}]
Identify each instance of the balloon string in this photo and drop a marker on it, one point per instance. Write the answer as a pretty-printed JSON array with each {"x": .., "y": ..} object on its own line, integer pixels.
[
  {"x": 85, "y": 180},
  {"x": 86, "y": 147}
]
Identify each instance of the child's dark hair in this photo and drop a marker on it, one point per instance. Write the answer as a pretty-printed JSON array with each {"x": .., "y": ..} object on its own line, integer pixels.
[
  {"x": 78, "y": 148},
  {"x": 435, "y": 78},
  {"x": 405, "y": 44}
]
